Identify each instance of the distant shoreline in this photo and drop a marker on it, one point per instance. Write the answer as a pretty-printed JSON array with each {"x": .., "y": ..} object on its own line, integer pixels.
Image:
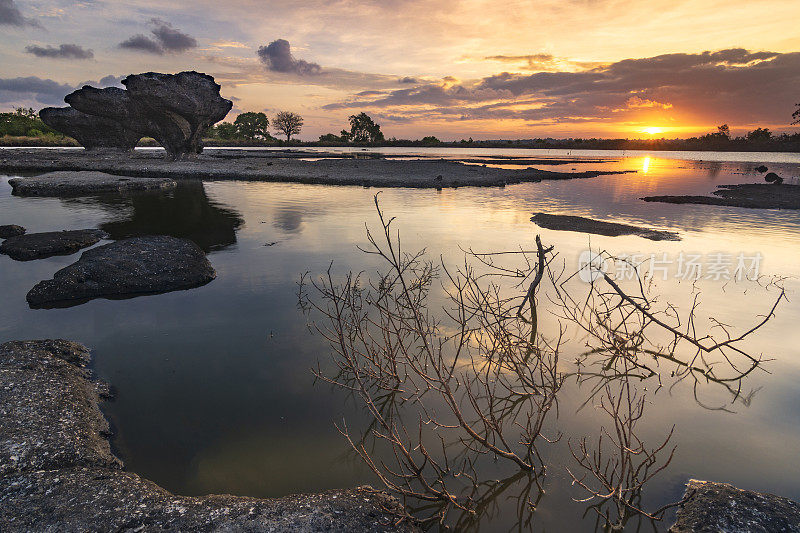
[{"x": 664, "y": 145}]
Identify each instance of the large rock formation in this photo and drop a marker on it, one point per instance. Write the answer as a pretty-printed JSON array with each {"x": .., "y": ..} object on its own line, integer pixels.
[
  {"x": 32, "y": 246},
  {"x": 93, "y": 132},
  {"x": 174, "y": 109}
]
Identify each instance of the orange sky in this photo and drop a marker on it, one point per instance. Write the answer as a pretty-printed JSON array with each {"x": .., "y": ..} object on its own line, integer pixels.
[{"x": 452, "y": 69}]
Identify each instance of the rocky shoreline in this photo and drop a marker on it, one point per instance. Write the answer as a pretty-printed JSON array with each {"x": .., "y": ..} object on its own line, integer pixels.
[
  {"x": 58, "y": 473},
  {"x": 752, "y": 195},
  {"x": 600, "y": 227},
  {"x": 265, "y": 166}
]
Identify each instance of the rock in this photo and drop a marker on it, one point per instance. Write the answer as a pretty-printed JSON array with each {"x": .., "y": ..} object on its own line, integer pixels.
[
  {"x": 753, "y": 195},
  {"x": 773, "y": 178},
  {"x": 57, "y": 471},
  {"x": 79, "y": 183},
  {"x": 722, "y": 507},
  {"x": 123, "y": 269},
  {"x": 174, "y": 109},
  {"x": 600, "y": 227},
  {"x": 40, "y": 245},
  {"x": 50, "y": 410},
  {"x": 11, "y": 230},
  {"x": 761, "y": 168},
  {"x": 92, "y": 132}
]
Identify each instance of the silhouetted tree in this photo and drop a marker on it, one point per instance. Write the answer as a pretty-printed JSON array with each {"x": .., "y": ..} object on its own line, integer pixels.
[
  {"x": 364, "y": 129},
  {"x": 796, "y": 115},
  {"x": 226, "y": 130},
  {"x": 252, "y": 125},
  {"x": 430, "y": 139},
  {"x": 759, "y": 134},
  {"x": 724, "y": 131},
  {"x": 288, "y": 123}
]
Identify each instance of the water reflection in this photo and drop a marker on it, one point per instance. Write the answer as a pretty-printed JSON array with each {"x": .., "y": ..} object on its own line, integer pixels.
[{"x": 185, "y": 212}]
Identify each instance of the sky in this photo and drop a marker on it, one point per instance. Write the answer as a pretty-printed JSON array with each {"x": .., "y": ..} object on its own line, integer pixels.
[{"x": 452, "y": 69}]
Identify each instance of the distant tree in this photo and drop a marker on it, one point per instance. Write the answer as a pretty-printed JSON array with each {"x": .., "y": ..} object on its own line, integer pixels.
[
  {"x": 330, "y": 138},
  {"x": 226, "y": 130},
  {"x": 759, "y": 134},
  {"x": 430, "y": 139},
  {"x": 288, "y": 123},
  {"x": 345, "y": 135},
  {"x": 796, "y": 115},
  {"x": 23, "y": 122},
  {"x": 252, "y": 125},
  {"x": 724, "y": 131},
  {"x": 364, "y": 129}
]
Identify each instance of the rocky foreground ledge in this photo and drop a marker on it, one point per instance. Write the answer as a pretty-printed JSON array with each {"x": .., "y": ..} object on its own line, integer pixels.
[
  {"x": 57, "y": 471},
  {"x": 231, "y": 164}
]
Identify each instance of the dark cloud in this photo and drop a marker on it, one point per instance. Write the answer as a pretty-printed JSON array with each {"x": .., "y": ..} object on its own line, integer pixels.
[
  {"x": 277, "y": 56},
  {"x": 172, "y": 40},
  {"x": 166, "y": 39},
  {"x": 732, "y": 85},
  {"x": 32, "y": 88},
  {"x": 64, "y": 51},
  {"x": 408, "y": 79},
  {"x": 10, "y": 15}
]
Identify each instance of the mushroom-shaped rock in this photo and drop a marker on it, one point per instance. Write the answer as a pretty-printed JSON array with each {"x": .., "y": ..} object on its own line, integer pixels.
[
  {"x": 92, "y": 132},
  {"x": 185, "y": 105}
]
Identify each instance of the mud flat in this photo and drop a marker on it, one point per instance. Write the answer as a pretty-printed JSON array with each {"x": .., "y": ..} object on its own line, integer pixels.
[
  {"x": 80, "y": 183},
  {"x": 722, "y": 507},
  {"x": 58, "y": 473},
  {"x": 600, "y": 227},
  {"x": 263, "y": 166},
  {"x": 753, "y": 195}
]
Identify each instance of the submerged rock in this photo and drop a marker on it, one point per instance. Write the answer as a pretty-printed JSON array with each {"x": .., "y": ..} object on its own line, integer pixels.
[
  {"x": 600, "y": 227},
  {"x": 753, "y": 195},
  {"x": 131, "y": 267},
  {"x": 11, "y": 230},
  {"x": 773, "y": 178},
  {"x": 174, "y": 109},
  {"x": 92, "y": 132},
  {"x": 40, "y": 245},
  {"x": 57, "y": 471},
  {"x": 761, "y": 168},
  {"x": 78, "y": 183},
  {"x": 722, "y": 507}
]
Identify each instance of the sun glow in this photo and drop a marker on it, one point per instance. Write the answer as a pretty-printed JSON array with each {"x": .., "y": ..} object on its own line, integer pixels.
[{"x": 652, "y": 130}]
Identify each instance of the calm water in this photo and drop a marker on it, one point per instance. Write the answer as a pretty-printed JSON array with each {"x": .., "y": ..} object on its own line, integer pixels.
[{"x": 214, "y": 392}]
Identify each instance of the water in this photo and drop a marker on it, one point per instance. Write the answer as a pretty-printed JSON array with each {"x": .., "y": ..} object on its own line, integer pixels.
[{"x": 214, "y": 391}]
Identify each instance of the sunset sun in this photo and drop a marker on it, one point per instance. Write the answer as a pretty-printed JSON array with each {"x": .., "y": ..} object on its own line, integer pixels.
[{"x": 652, "y": 130}]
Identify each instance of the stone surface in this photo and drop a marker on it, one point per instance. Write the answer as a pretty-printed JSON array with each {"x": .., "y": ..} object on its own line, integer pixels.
[
  {"x": 92, "y": 132},
  {"x": 57, "y": 472},
  {"x": 78, "y": 183},
  {"x": 232, "y": 164},
  {"x": 131, "y": 267},
  {"x": 754, "y": 195},
  {"x": 11, "y": 230},
  {"x": 49, "y": 409},
  {"x": 40, "y": 245},
  {"x": 174, "y": 109},
  {"x": 600, "y": 227},
  {"x": 720, "y": 507}
]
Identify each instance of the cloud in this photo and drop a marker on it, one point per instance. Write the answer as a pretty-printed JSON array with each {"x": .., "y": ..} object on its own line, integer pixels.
[
  {"x": 277, "y": 56},
  {"x": 10, "y": 15},
  {"x": 33, "y": 89},
  {"x": 64, "y": 51},
  {"x": 733, "y": 85},
  {"x": 408, "y": 79},
  {"x": 166, "y": 39}
]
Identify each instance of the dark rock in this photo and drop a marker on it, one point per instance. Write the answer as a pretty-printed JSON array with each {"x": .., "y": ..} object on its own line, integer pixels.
[
  {"x": 11, "y": 230},
  {"x": 174, "y": 109},
  {"x": 761, "y": 168},
  {"x": 754, "y": 195},
  {"x": 50, "y": 415},
  {"x": 722, "y": 507},
  {"x": 40, "y": 245},
  {"x": 91, "y": 131},
  {"x": 57, "y": 472},
  {"x": 773, "y": 178},
  {"x": 79, "y": 183},
  {"x": 600, "y": 227},
  {"x": 131, "y": 267}
]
